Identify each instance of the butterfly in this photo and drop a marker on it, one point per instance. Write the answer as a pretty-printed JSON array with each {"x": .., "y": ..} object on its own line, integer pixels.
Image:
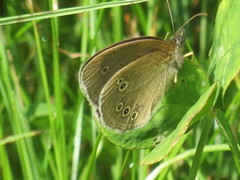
[{"x": 126, "y": 81}]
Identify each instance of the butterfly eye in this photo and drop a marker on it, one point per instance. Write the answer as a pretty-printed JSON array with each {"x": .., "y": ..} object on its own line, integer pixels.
[
  {"x": 126, "y": 111},
  {"x": 119, "y": 107},
  {"x": 134, "y": 115},
  {"x": 120, "y": 81},
  {"x": 123, "y": 86},
  {"x": 105, "y": 70}
]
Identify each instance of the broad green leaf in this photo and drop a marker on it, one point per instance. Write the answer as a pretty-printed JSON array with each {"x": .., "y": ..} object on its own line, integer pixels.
[
  {"x": 199, "y": 110},
  {"x": 225, "y": 50}
]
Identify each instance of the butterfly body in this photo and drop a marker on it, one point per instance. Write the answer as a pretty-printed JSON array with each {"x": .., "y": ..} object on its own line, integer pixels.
[{"x": 126, "y": 81}]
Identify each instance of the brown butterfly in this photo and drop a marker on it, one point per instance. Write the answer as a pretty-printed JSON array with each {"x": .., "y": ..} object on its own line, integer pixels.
[{"x": 126, "y": 81}]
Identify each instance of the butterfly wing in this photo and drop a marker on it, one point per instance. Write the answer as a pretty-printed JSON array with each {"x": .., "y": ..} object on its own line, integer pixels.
[
  {"x": 96, "y": 72},
  {"x": 131, "y": 96}
]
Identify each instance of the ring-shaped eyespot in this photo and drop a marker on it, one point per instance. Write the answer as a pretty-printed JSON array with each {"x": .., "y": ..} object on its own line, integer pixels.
[
  {"x": 126, "y": 111},
  {"x": 119, "y": 107},
  {"x": 134, "y": 115},
  {"x": 156, "y": 141},
  {"x": 123, "y": 86},
  {"x": 105, "y": 70},
  {"x": 119, "y": 81}
]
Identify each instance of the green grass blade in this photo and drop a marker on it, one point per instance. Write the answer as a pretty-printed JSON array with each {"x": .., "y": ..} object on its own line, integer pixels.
[
  {"x": 228, "y": 134},
  {"x": 189, "y": 153},
  {"x": 89, "y": 166},
  {"x": 77, "y": 141},
  {"x": 202, "y": 143},
  {"x": 11, "y": 139},
  {"x": 65, "y": 12},
  {"x": 12, "y": 100},
  {"x": 119, "y": 176}
]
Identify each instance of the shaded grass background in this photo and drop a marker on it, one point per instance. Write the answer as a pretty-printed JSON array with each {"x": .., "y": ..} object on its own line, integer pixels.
[{"x": 40, "y": 92}]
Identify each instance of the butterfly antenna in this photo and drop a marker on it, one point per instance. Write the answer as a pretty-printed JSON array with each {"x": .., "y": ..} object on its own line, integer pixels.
[
  {"x": 170, "y": 14},
  {"x": 196, "y": 15}
]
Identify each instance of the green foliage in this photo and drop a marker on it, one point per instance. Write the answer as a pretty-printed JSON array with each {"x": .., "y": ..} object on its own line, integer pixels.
[
  {"x": 46, "y": 126},
  {"x": 226, "y": 45}
]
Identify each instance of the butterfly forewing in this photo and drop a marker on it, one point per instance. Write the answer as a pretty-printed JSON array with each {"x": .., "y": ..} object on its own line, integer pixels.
[
  {"x": 131, "y": 96},
  {"x": 97, "y": 71}
]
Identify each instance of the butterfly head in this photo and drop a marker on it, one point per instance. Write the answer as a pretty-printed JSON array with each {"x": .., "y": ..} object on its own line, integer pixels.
[{"x": 178, "y": 38}]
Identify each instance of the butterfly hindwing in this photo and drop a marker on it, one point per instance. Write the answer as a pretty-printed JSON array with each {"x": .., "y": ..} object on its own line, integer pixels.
[{"x": 131, "y": 96}]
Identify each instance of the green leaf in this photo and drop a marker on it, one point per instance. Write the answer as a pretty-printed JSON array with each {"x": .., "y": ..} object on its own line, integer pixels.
[
  {"x": 199, "y": 110},
  {"x": 225, "y": 50}
]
